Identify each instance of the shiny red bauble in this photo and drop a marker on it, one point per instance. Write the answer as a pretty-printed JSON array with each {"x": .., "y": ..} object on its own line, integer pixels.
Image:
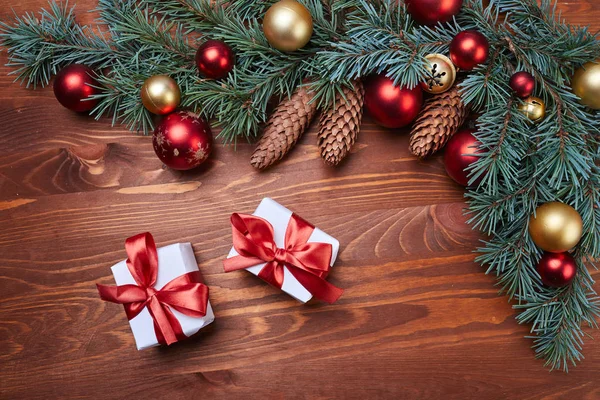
[
  {"x": 391, "y": 106},
  {"x": 469, "y": 49},
  {"x": 72, "y": 87},
  {"x": 430, "y": 12},
  {"x": 215, "y": 59},
  {"x": 455, "y": 160},
  {"x": 557, "y": 269},
  {"x": 523, "y": 84},
  {"x": 182, "y": 140}
]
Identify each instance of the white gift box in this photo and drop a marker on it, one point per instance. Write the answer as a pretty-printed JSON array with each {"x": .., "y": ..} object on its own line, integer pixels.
[
  {"x": 279, "y": 216},
  {"x": 173, "y": 261}
]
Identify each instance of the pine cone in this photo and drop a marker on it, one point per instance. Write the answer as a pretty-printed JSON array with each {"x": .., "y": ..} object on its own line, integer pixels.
[
  {"x": 440, "y": 118},
  {"x": 284, "y": 127},
  {"x": 339, "y": 126}
]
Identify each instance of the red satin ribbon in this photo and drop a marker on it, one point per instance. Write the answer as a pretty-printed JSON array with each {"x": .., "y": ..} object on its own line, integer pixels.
[
  {"x": 309, "y": 263},
  {"x": 186, "y": 293}
]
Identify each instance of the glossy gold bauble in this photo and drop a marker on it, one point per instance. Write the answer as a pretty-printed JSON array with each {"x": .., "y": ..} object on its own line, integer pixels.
[
  {"x": 534, "y": 108},
  {"x": 160, "y": 94},
  {"x": 556, "y": 227},
  {"x": 288, "y": 25},
  {"x": 441, "y": 74},
  {"x": 586, "y": 84}
]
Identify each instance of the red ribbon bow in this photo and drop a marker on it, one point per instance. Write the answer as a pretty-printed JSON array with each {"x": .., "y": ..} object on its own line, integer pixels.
[
  {"x": 186, "y": 293},
  {"x": 309, "y": 263}
]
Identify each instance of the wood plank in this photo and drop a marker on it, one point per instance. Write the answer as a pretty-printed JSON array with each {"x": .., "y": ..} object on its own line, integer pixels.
[
  {"x": 418, "y": 319},
  {"x": 118, "y": 165}
]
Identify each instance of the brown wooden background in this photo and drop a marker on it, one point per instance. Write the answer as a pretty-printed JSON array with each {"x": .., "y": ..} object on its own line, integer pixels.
[{"x": 419, "y": 319}]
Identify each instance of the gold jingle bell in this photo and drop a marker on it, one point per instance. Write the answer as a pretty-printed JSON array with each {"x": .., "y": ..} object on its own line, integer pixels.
[
  {"x": 586, "y": 84},
  {"x": 288, "y": 25},
  {"x": 534, "y": 108},
  {"x": 441, "y": 74},
  {"x": 556, "y": 227},
  {"x": 160, "y": 94}
]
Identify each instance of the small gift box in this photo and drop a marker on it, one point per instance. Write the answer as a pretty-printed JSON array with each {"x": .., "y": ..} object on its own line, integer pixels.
[
  {"x": 286, "y": 251},
  {"x": 161, "y": 290}
]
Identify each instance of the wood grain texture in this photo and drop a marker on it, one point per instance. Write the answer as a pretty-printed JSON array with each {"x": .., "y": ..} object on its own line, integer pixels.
[{"x": 418, "y": 320}]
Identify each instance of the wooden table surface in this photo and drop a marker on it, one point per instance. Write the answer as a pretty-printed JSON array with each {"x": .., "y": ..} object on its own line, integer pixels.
[{"x": 419, "y": 318}]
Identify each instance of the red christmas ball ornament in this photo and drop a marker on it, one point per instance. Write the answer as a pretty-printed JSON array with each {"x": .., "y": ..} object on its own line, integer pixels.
[
  {"x": 523, "y": 84},
  {"x": 391, "y": 106},
  {"x": 72, "y": 87},
  {"x": 182, "y": 140},
  {"x": 215, "y": 59},
  {"x": 557, "y": 269},
  {"x": 455, "y": 160},
  {"x": 430, "y": 12},
  {"x": 469, "y": 49}
]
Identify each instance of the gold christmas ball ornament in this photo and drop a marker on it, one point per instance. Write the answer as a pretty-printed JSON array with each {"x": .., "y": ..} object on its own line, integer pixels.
[
  {"x": 586, "y": 84},
  {"x": 441, "y": 74},
  {"x": 534, "y": 108},
  {"x": 556, "y": 227},
  {"x": 160, "y": 94},
  {"x": 288, "y": 25}
]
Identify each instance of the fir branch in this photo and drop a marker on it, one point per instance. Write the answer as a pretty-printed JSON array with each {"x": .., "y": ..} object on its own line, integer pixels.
[
  {"x": 39, "y": 47},
  {"x": 552, "y": 159},
  {"x": 120, "y": 97}
]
